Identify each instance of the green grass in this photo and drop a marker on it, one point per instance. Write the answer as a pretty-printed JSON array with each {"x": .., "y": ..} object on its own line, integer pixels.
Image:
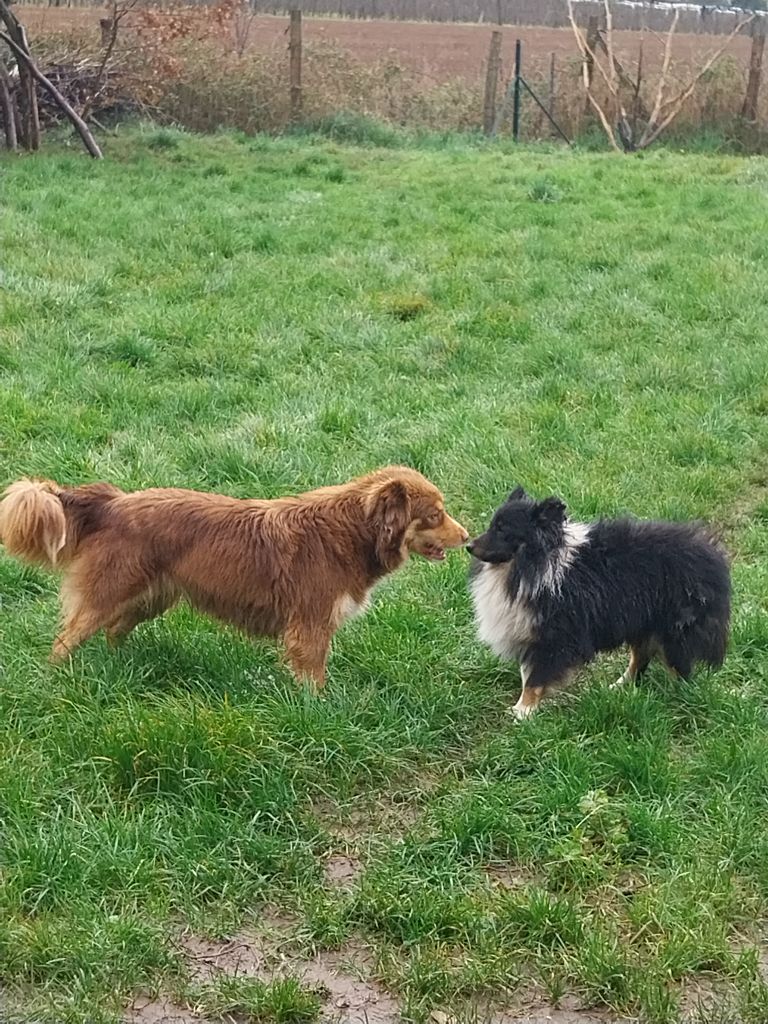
[{"x": 260, "y": 317}]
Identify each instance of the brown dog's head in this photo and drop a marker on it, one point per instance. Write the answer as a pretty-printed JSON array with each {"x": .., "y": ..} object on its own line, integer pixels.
[{"x": 408, "y": 515}]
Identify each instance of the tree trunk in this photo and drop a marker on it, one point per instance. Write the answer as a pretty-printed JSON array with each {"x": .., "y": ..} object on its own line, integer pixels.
[
  {"x": 29, "y": 135},
  {"x": 7, "y": 107}
]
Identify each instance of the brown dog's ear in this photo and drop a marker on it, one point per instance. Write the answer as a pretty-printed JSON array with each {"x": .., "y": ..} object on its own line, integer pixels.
[{"x": 390, "y": 510}]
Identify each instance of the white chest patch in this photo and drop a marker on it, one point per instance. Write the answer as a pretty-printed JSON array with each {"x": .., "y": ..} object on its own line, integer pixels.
[
  {"x": 575, "y": 535},
  {"x": 347, "y": 608},
  {"x": 507, "y": 627}
]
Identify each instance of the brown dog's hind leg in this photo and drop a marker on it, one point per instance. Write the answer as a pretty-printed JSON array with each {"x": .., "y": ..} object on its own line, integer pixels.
[
  {"x": 94, "y": 595},
  {"x": 149, "y": 606}
]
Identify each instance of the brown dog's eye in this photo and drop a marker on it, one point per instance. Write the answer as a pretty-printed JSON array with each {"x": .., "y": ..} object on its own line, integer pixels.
[{"x": 434, "y": 518}]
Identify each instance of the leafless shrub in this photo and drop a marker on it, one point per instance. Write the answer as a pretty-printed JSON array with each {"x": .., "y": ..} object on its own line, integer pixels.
[{"x": 669, "y": 97}]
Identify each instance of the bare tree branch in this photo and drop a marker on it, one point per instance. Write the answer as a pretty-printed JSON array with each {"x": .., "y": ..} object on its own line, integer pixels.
[
  {"x": 664, "y": 71},
  {"x": 665, "y": 107},
  {"x": 675, "y": 104},
  {"x": 586, "y": 52},
  {"x": 609, "y": 43},
  {"x": 28, "y": 129}
]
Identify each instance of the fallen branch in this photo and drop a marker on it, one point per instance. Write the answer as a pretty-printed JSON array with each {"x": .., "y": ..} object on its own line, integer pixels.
[{"x": 79, "y": 124}]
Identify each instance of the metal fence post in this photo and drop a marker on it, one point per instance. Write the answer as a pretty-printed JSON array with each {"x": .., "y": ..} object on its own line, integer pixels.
[{"x": 516, "y": 93}]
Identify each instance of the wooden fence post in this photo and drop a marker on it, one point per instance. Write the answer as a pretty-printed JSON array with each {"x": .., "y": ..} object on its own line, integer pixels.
[
  {"x": 105, "y": 24},
  {"x": 294, "y": 48},
  {"x": 552, "y": 84},
  {"x": 491, "y": 82},
  {"x": 749, "y": 109}
]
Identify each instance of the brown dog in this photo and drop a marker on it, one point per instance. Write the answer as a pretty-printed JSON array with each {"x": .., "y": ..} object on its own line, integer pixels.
[{"x": 292, "y": 567}]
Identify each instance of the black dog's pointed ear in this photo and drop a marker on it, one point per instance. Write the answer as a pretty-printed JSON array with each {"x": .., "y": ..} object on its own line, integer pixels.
[
  {"x": 551, "y": 510},
  {"x": 517, "y": 495}
]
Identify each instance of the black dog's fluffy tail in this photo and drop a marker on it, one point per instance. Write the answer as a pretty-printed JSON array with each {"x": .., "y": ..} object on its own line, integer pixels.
[
  {"x": 702, "y": 630},
  {"x": 709, "y": 640}
]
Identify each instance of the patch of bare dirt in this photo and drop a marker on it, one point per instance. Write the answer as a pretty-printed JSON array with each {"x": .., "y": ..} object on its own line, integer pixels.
[
  {"x": 360, "y": 825},
  {"x": 253, "y": 953},
  {"x": 508, "y": 876},
  {"x": 554, "y": 1016},
  {"x": 699, "y": 996},
  {"x": 353, "y": 996},
  {"x": 342, "y": 871},
  {"x": 146, "y": 1009},
  {"x": 531, "y": 1009},
  {"x": 343, "y": 977},
  {"x": 242, "y": 955},
  {"x": 349, "y": 823}
]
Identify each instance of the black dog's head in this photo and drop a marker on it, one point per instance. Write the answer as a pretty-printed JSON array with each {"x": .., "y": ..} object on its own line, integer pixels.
[{"x": 520, "y": 521}]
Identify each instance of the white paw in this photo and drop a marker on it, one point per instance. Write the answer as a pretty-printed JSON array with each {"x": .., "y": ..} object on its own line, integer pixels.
[
  {"x": 522, "y": 711},
  {"x": 621, "y": 681}
]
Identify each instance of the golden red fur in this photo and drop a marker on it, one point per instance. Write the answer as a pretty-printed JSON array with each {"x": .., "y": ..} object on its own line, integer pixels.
[{"x": 291, "y": 567}]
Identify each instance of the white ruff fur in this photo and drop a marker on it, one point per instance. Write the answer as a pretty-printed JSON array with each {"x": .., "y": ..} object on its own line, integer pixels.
[
  {"x": 505, "y": 626},
  {"x": 575, "y": 535}
]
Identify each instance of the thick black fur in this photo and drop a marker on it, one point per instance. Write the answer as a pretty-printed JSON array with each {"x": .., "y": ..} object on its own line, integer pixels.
[{"x": 663, "y": 588}]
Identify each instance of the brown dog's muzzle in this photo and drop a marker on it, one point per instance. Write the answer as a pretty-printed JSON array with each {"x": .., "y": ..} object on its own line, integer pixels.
[{"x": 432, "y": 543}]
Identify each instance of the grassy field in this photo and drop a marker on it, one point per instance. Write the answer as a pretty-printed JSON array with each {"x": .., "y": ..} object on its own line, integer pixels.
[{"x": 259, "y": 317}]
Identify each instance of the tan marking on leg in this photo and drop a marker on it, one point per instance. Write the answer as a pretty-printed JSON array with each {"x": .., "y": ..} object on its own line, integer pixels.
[
  {"x": 639, "y": 656},
  {"x": 528, "y": 702},
  {"x": 530, "y": 697}
]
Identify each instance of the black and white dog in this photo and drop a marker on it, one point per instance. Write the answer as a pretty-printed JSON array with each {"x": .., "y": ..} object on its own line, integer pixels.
[{"x": 552, "y": 593}]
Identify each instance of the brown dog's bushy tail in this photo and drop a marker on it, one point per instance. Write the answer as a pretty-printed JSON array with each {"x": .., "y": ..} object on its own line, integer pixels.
[
  {"x": 33, "y": 526},
  {"x": 44, "y": 523}
]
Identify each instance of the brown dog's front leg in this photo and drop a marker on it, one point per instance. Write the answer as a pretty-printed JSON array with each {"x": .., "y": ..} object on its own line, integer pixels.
[{"x": 307, "y": 653}]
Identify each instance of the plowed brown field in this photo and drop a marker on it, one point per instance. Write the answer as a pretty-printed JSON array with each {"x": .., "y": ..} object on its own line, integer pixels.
[{"x": 438, "y": 50}]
